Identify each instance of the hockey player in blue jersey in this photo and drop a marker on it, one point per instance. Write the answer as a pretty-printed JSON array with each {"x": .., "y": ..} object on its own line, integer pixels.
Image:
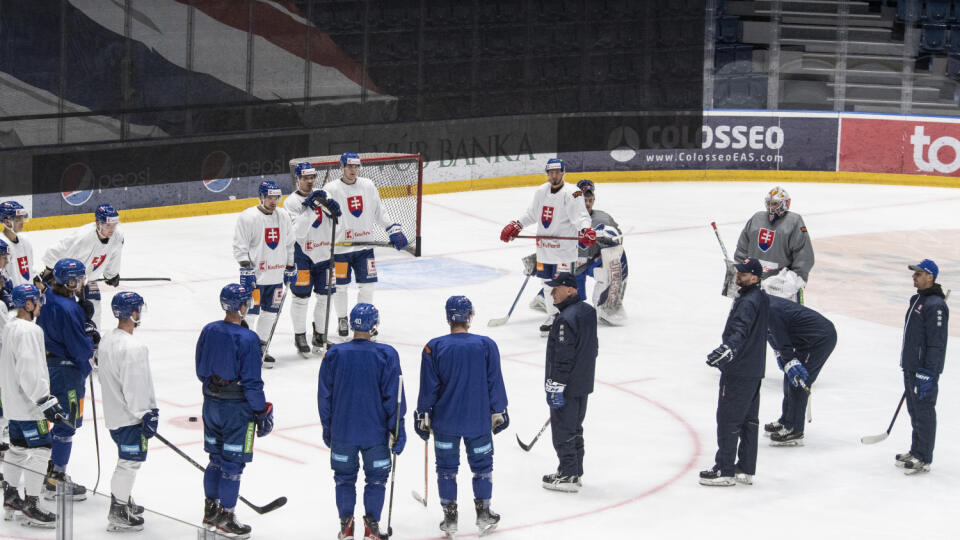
[
  {"x": 69, "y": 339},
  {"x": 234, "y": 407},
  {"x": 462, "y": 396},
  {"x": 803, "y": 340},
  {"x": 357, "y": 399}
]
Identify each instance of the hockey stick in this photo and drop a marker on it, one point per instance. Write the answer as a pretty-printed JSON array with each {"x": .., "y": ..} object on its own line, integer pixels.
[
  {"x": 503, "y": 320},
  {"x": 266, "y": 345},
  {"x": 331, "y": 278},
  {"x": 723, "y": 246},
  {"x": 527, "y": 447},
  {"x": 873, "y": 439},
  {"x": 139, "y": 279},
  {"x": 96, "y": 432},
  {"x": 419, "y": 499},
  {"x": 273, "y": 505},
  {"x": 375, "y": 244},
  {"x": 538, "y": 237},
  {"x": 393, "y": 455}
]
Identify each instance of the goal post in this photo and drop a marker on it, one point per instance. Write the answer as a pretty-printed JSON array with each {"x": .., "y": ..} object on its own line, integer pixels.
[{"x": 399, "y": 179}]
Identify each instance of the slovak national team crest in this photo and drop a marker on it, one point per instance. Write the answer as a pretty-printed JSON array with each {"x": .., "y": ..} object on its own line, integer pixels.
[
  {"x": 24, "y": 266},
  {"x": 546, "y": 216},
  {"x": 765, "y": 239},
  {"x": 97, "y": 261},
  {"x": 355, "y": 204},
  {"x": 317, "y": 222},
  {"x": 271, "y": 235}
]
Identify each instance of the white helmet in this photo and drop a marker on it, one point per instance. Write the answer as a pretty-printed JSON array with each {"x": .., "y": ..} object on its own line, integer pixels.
[{"x": 777, "y": 202}]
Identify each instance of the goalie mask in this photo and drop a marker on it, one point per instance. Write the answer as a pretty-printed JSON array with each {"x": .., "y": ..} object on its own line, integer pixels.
[{"x": 777, "y": 203}]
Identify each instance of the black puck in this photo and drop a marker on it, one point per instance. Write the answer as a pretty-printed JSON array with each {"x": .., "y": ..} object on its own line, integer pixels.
[{"x": 192, "y": 419}]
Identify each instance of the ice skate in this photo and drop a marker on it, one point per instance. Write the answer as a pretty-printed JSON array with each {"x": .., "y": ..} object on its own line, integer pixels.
[
  {"x": 346, "y": 528},
  {"x": 300, "y": 340},
  {"x": 449, "y": 523},
  {"x": 371, "y": 530},
  {"x": 211, "y": 511},
  {"x": 559, "y": 482},
  {"x": 711, "y": 477},
  {"x": 268, "y": 361},
  {"x": 743, "y": 478},
  {"x": 12, "y": 503},
  {"x": 34, "y": 516},
  {"x": 319, "y": 341},
  {"x": 786, "y": 437},
  {"x": 121, "y": 519},
  {"x": 487, "y": 519},
  {"x": 50, "y": 486},
  {"x": 914, "y": 466},
  {"x": 135, "y": 508},
  {"x": 771, "y": 428},
  {"x": 227, "y": 525},
  {"x": 342, "y": 329},
  {"x": 902, "y": 459}
]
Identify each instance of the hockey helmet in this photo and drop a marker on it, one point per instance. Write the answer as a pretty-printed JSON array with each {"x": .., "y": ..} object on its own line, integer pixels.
[
  {"x": 105, "y": 213},
  {"x": 777, "y": 202},
  {"x": 12, "y": 209},
  {"x": 125, "y": 303},
  {"x": 555, "y": 163},
  {"x": 67, "y": 271},
  {"x": 349, "y": 158},
  {"x": 364, "y": 317},
  {"x": 305, "y": 169},
  {"x": 234, "y": 296},
  {"x": 27, "y": 291},
  {"x": 459, "y": 309},
  {"x": 586, "y": 186},
  {"x": 269, "y": 188}
]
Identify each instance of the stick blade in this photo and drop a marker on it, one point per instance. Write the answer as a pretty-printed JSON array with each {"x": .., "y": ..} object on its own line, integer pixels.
[
  {"x": 418, "y": 498},
  {"x": 874, "y": 439},
  {"x": 269, "y": 507},
  {"x": 498, "y": 322},
  {"x": 526, "y": 447}
]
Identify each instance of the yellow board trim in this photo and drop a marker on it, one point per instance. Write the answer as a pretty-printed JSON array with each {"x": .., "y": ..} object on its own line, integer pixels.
[{"x": 233, "y": 206}]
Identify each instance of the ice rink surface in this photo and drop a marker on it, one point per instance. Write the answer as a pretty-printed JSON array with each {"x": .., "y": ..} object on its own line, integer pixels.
[{"x": 650, "y": 423}]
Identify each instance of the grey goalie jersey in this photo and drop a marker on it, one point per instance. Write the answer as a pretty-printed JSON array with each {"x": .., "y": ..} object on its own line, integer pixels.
[
  {"x": 783, "y": 244},
  {"x": 597, "y": 217}
]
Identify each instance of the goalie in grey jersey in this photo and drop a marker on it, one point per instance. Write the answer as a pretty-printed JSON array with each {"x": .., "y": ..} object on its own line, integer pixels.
[
  {"x": 778, "y": 239},
  {"x": 605, "y": 261}
]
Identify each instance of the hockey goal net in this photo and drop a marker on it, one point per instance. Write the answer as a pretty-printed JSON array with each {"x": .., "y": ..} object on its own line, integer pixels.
[{"x": 399, "y": 179}]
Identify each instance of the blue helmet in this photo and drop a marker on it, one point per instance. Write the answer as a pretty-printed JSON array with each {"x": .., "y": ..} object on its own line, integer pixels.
[
  {"x": 4, "y": 248},
  {"x": 12, "y": 209},
  {"x": 555, "y": 163},
  {"x": 105, "y": 213},
  {"x": 349, "y": 158},
  {"x": 234, "y": 296},
  {"x": 364, "y": 317},
  {"x": 304, "y": 168},
  {"x": 125, "y": 303},
  {"x": 459, "y": 309},
  {"x": 68, "y": 269},
  {"x": 22, "y": 293},
  {"x": 586, "y": 186},
  {"x": 269, "y": 188}
]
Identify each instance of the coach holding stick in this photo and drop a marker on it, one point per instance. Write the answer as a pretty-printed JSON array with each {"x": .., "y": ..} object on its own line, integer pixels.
[{"x": 571, "y": 363}]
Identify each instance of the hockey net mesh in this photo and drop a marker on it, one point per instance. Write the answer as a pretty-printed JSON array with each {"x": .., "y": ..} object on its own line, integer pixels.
[{"x": 399, "y": 179}]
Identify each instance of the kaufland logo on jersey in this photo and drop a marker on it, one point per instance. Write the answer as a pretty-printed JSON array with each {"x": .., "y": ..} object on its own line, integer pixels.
[
  {"x": 77, "y": 183},
  {"x": 271, "y": 235},
  {"x": 546, "y": 216},
  {"x": 941, "y": 154},
  {"x": 355, "y": 204},
  {"x": 765, "y": 239}
]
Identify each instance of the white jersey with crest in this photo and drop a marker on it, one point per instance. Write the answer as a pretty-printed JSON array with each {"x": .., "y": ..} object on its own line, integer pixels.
[
  {"x": 101, "y": 259},
  {"x": 20, "y": 264},
  {"x": 363, "y": 213},
  {"x": 266, "y": 241},
  {"x": 125, "y": 379},
  {"x": 312, "y": 229},
  {"x": 293, "y": 204},
  {"x": 557, "y": 213},
  {"x": 24, "y": 379}
]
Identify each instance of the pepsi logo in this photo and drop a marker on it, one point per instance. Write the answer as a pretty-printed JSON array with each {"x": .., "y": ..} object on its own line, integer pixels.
[
  {"x": 215, "y": 170},
  {"x": 76, "y": 184}
]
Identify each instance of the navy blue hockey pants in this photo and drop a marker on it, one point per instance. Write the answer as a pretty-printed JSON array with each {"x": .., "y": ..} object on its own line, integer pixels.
[
  {"x": 923, "y": 418},
  {"x": 566, "y": 426},
  {"x": 738, "y": 407},
  {"x": 795, "y": 398},
  {"x": 479, "y": 457},
  {"x": 345, "y": 462}
]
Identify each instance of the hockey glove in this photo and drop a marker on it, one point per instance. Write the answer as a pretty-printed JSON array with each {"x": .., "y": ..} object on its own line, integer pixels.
[
  {"x": 113, "y": 281},
  {"x": 796, "y": 372},
  {"x": 511, "y": 231},
  {"x": 397, "y": 444},
  {"x": 586, "y": 238},
  {"x": 290, "y": 276},
  {"x": 90, "y": 329},
  {"x": 421, "y": 424},
  {"x": 264, "y": 420},
  {"x": 248, "y": 279},
  {"x": 720, "y": 357},
  {"x": 555, "y": 393},
  {"x": 52, "y": 410},
  {"x": 923, "y": 384},
  {"x": 88, "y": 310},
  {"x": 399, "y": 240},
  {"x": 149, "y": 423},
  {"x": 499, "y": 421}
]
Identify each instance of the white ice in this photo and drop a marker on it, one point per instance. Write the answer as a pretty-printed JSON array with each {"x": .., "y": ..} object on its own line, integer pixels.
[{"x": 650, "y": 424}]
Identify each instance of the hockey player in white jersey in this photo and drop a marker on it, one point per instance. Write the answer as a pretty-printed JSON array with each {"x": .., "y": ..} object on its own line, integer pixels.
[
  {"x": 20, "y": 264},
  {"x": 312, "y": 252},
  {"x": 25, "y": 386},
  {"x": 304, "y": 177},
  {"x": 559, "y": 211},
  {"x": 98, "y": 246},
  {"x": 129, "y": 406},
  {"x": 364, "y": 212},
  {"x": 263, "y": 246},
  {"x": 777, "y": 237}
]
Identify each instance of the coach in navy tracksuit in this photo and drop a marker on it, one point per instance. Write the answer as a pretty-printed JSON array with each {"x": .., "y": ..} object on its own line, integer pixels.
[
  {"x": 462, "y": 396},
  {"x": 803, "y": 340},
  {"x": 924, "y": 348},
  {"x": 571, "y": 363},
  {"x": 741, "y": 359}
]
